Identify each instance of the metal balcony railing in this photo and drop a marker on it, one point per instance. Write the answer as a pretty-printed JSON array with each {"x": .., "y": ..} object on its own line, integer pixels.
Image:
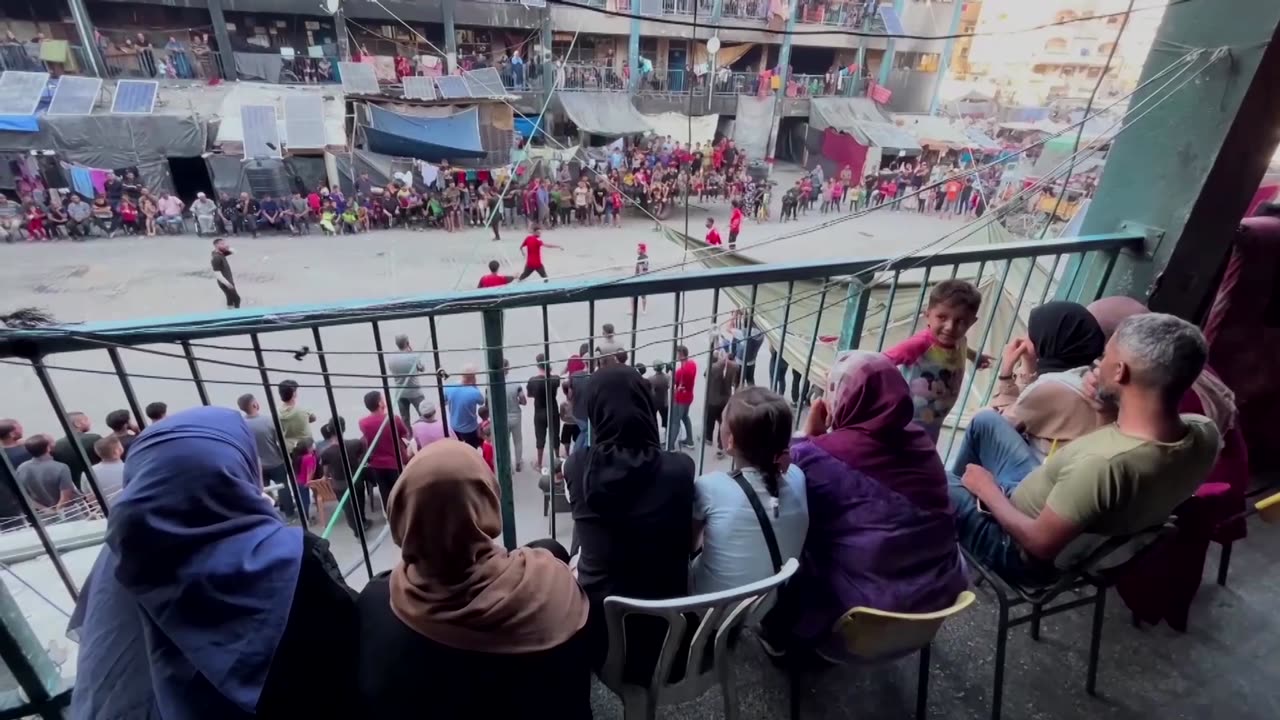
[
  {"x": 591, "y": 77},
  {"x": 746, "y": 9},
  {"x": 806, "y": 312},
  {"x": 705, "y": 8}
]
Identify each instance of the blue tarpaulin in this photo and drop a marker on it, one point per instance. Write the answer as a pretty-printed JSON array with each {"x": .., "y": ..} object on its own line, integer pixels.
[
  {"x": 426, "y": 138},
  {"x": 19, "y": 123}
]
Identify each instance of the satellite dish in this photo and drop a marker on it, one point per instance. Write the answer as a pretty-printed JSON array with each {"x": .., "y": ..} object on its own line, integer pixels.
[
  {"x": 331, "y": 6},
  {"x": 713, "y": 45}
]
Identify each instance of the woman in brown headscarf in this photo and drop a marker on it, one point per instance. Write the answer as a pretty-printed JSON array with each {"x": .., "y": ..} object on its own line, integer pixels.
[{"x": 462, "y": 627}]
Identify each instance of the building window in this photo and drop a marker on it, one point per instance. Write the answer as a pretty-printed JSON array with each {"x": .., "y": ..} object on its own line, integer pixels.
[
  {"x": 1065, "y": 16},
  {"x": 1105, "y": 48},
  {"x": 1056, "y": 45}
]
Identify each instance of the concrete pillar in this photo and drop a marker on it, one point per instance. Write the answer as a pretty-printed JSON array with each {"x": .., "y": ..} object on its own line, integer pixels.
[
  {"x": 717, "y": 12},
  {"x": 784, "y": 61},
  {"x": 84, "y": 28},
  {"x": 223, "y": 37},
  {"x": 1215, "y": 134},
  {"x": 545, "y": 59},
  {"x": 450, "y": 38},
  {"x": 343, "y": 36},
  {"x": 886, "y": 61},
  {"x": 944, "y": 62},
  {"x": 633, "y": 46}
]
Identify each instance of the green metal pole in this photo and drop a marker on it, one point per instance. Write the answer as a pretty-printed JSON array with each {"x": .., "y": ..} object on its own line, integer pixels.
[
  {"x": 856, "y": 299},
  {"x": 1216, "y": 135},
  {"x": 501, "y": 435},
  {"x": 886, "y": 61},
  {"x": 944, "y": 62}
]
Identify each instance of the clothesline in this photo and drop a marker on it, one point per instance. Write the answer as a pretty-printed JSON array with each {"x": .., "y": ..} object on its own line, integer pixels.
[{"x": 87, "y": 182}]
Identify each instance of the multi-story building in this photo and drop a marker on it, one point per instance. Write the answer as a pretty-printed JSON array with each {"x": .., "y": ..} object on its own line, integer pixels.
[
  {"x": 595, "y": 43},
  {"x": 1064, "y": 60}
]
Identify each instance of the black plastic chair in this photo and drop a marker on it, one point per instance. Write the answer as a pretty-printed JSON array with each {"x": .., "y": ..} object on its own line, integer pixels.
[{"x": 1087, "y": 575}]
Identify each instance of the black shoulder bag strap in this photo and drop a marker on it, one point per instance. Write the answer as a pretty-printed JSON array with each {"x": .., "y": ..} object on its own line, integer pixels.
[{"x": 762, "y": 517}]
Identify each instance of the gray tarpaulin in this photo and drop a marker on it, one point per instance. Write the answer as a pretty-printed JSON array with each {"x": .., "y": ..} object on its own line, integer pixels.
[
  {"x": 609, "y": 114},
  {"x": 751, "y": 128},
  {"x": 116, "y": 141},
  {"x": 259, "y": 66},
  {"x": 863, "y": 120}
]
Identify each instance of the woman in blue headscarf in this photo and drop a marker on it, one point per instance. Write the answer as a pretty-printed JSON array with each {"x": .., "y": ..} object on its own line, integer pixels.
[{"x": 203, "y": 604}]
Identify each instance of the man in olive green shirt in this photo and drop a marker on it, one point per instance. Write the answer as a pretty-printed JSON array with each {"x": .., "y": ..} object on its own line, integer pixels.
[
  {"x": 1016, "y": 516},
  {"x": 295, "y": 421}
]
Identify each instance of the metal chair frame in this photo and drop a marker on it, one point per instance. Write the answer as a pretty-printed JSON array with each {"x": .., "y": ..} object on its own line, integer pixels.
[{"x": 1086, "y": 578}]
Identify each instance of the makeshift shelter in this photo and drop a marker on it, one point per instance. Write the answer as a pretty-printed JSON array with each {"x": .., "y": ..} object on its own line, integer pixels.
[
  {"x": 425, "y": 138},
  {"x": 850, "y": 129},
  {"x": 607, "y": 114},
  {"x": 178, "y": 126}
]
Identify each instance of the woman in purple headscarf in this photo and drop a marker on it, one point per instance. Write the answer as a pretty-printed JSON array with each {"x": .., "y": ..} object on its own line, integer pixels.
[
  {"x": 202, "y": 604},
  {"x": 881, "y": 531}
]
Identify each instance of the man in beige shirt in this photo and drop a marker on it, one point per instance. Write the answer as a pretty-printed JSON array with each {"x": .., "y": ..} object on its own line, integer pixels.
[{"x": 1015, "y": 516}]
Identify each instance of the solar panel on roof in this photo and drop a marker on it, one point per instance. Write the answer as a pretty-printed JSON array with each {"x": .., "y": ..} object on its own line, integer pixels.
[
  {"x": 484, "y": 82},
  {"x": 20, "y": 92},
  {"x": 892, "y": 22},
  {"x": 304, "y": 120},
  {"x": 261, "y": 133},
  {"x": 452, "y": 86},
  {"x": 75, "y": 95},
  {"x": 358, "y": 78},
  {"x": 135, "y": 97},
  {"x": 417, "y": 87}
]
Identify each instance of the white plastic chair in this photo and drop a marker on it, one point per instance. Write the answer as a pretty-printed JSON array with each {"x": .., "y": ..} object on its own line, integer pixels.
[{"x": 720, "y": 617}]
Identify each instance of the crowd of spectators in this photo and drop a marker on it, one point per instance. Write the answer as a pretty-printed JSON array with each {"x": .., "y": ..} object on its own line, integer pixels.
[{"x": 1088, "y": 439}]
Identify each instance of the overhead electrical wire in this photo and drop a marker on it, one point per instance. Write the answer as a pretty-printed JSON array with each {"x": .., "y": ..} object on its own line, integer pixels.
[{"x": 1102, "y": 77}]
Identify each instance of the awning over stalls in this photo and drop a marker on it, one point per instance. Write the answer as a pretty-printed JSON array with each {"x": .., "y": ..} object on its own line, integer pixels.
[
  {"x": 934, "y": 132},
  {"x": 982, "y": 141},
  {"x": 683, "y": 128},
  {"x": 863, "y": 120},
  {"x": 608, "y": 114},
  {"x": 426, "y": 138}
]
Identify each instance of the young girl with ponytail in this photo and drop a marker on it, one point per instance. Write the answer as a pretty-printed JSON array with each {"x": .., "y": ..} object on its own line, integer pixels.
[{"x": 755, "y": 517}]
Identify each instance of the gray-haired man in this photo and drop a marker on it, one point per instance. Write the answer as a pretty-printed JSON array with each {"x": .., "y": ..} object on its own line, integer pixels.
[{"x": 1126, "y": 476}]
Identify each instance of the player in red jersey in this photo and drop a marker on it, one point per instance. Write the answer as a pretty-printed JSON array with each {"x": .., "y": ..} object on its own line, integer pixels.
[
  {"x": 713, "y": 235},
  {"x": 494, "y": 278},
  {"x": 735, "y": 223},
  {"x": 532, "y": 249}
]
